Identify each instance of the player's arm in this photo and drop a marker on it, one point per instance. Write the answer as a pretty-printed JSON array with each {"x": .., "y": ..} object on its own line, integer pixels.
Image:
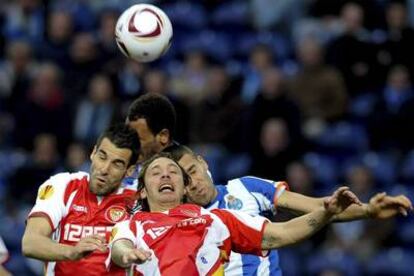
[
  {"x": 37, "y": 243},
  {"x": 380, "y": 206},
  {"x": 277, "y": 235},
  {"x": 124, "y": 254}
]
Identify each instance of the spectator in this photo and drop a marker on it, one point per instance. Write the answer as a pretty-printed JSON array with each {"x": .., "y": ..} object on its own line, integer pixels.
[
  {"x": 275, "y": 152},
  {"x": 190, "y": 83},
  {"x": 318, "y": 89},
  {"x": 44, "y": 109},
  {"x": 43, "y": 162},
  {"x": 390, "y": 122},
  {"x": 96, "y": 111}
]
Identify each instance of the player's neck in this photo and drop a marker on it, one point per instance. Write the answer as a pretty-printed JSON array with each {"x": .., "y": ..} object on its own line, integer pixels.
[{"x": 162, "y": 207}]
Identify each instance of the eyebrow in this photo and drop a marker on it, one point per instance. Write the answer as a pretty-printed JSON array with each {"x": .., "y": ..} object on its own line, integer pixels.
[{"x": 191, "y": 167}]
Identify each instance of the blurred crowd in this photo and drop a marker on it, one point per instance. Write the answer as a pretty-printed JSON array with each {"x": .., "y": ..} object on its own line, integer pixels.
[{"x": 318, "y": 92}]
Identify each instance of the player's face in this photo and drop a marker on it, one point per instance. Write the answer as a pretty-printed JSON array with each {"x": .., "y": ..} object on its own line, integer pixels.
[
  {"x": 108, "y": 168},
  {"x": 164, "y": 185},
  {"x": 150, "y": 143},
  {"x": 201, "y": 190}
]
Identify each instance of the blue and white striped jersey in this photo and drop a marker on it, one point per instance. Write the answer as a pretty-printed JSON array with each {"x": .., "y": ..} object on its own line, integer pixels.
[{"x": 254, "y": 196}]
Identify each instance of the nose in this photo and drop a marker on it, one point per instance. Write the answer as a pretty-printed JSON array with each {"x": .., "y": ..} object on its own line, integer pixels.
[{"x": 104, "y": 169}]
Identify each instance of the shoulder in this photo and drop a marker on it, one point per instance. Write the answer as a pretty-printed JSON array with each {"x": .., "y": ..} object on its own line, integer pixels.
[{"x": 62, "y": 183}]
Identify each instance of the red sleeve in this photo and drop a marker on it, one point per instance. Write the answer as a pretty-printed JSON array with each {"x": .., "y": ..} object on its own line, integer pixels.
[{"x": 246, "y": 232}]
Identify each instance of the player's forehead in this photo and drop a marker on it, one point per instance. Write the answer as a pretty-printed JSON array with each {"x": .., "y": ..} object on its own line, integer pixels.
[
  {"x": 162, "y": 162},
  {"x": 112, "y": 151},
  {"x": 188, "y": 160}
]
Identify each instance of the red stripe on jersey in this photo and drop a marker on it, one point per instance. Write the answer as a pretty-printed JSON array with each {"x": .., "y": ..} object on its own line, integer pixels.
[
  {"x": 243, "y": 238},
  {"x": 43, "y": 215},
  {"x": 72, "y": 186}
]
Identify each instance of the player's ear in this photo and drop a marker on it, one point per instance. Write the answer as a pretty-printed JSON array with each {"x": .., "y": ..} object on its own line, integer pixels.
[
  {"x": 92, "y": 153},
  {"x": 163, "y": 137},
  {"x": 143, "y": 193},
  {"x": 202, "y": 161}
]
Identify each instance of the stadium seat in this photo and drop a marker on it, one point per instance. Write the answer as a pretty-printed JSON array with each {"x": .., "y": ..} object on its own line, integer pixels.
[
  {"x": 333, "y": 260},
  {"x": 230, "y": 15},
  {"x": 394, "y": 261},
  {"x": 187, "y": 15},
  {"x": 344, "y": 136},
  {"x": 323, "y": 167},
  {"x": 407, "y": 167}
]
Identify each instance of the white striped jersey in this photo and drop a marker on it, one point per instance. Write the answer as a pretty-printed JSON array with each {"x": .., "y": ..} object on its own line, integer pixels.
[
  {"x": 190, "y": 240},
  {"x": 254, "y": 196}
]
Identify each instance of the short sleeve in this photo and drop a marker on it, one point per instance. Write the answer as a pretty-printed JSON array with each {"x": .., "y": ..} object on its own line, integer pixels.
[
  {"x": 246, "y": 232},
  {"x": 50, "y": 199},
  {"x": 122, "y": 231},
  {"x": 267, "y": 192}
]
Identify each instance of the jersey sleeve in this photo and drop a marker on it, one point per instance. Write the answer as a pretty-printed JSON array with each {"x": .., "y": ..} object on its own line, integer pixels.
[
  {"x": 50, "y": 199},
  {"x": 246, "y": 232},
  {"x": 122, "y": 231},
  {"x": 267, "y": 192}
]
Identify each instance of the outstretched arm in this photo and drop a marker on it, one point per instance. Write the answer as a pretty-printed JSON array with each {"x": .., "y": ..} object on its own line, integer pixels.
[
  {"x": 281, "y": 234},
  {"x": 37, "y": 243},
  {"x": 380, "y": 206}
]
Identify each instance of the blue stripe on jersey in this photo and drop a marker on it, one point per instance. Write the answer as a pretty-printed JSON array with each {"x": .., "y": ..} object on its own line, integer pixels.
[
  {"x": 274, "y": 268},
  {"x": 258, "y": 185},
  {"x": 250, "y": 264},
  {"x": 221, "y": 192}
]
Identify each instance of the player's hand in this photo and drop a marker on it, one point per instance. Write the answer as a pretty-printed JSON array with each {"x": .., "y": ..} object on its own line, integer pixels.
[
  {"x": 136, "y": 255},
  {"x": 383, "y": 206},
  {"x": 340, "y": 200},
  {"x": 86, "y": 246}
]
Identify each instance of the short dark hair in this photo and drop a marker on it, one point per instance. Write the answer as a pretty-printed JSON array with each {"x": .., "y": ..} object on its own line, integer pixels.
[
  {"x": 122, "y": 136},
  {"x": 142, "y": 204},
  {"x": 157, "y": 110},
  {"x": 177, "y": 151}
]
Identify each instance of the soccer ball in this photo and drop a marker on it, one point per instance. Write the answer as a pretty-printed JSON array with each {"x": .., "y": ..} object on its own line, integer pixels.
[{"x": 143, "y": 32}]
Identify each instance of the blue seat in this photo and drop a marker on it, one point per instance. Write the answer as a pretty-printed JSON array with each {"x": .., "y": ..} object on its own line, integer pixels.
[
  {"x": 345, "y": 136},
  {"x": 394, "y": 261},
  {"x": 215, "y": 44},
  {"x": 333, "y": 260},
  {"x": 324, "y": 168},
  {"x": 407, "y": 167},
  {"x": 231, "y": 14},
  {"x": 186, "y": 14},
  {"x": 246, "y": 41}
]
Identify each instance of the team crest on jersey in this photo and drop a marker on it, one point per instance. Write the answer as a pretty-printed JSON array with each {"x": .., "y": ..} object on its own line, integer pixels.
[
  {"x": 46, "y": 192},
  {"x": 233, "y": 202},
  {"x": 115, "y": 214}
]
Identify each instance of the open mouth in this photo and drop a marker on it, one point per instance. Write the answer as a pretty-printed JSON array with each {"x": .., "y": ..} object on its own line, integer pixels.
[{"x": 166, "y": 188}]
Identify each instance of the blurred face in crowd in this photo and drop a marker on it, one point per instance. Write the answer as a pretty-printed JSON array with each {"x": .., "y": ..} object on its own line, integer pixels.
[
  {"x": 45, "y": 149},
  {"x": 150, "y": 143},
  {"x": 156, "y": 82},
  {"x": 310, "y": 52},
  {"x": 352, "y": 16},
  {"x": 100, "y": 89},
  {"x": 164, "y": 184},
  {"x": 201, "y": 190},
  {"x": 399, "y": 78},
  {"x": 108, "y": 168},
  {"x": 60, "y": 26},
  {"x": 272, "y": 83},
  {"x": 274, "y": 136},
  {"x": 396, "y": 15},
  {"x": 261, "y": 58},
  {"x": 20, "y": 54},
  {"x": 299, "y": 178},
  {"x": 83, "y": 48}
]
